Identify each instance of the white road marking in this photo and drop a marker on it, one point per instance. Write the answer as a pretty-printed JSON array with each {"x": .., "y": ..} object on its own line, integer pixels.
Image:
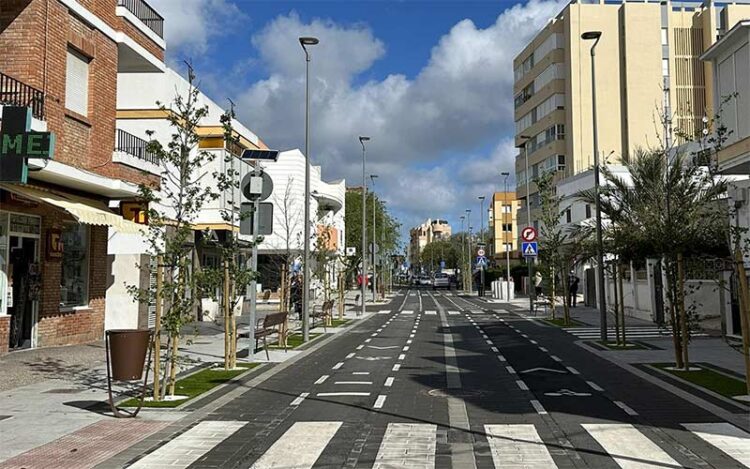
[
  {"x": 406, "y": 348},
  {"x": 518, "y": 446},
  {"x": 453, "y": 313},
  {"x": 305, "y": 440},
  {"x": 625, "y": 407},
  {"x": 367, "y": 383},
  {"x": 543, "y": 349},
  {"x": 407, "y": 311},
  {"x": 322, "y": 379},
  {"x": 494, "y": 349},
  {"x": 335, "y": 394},
  {"x": 630, "y": 448},
  {"x": 337, "y": 366},
  {"x": 430, "y": 313},
  {"x": 298, "y": 400},
  {"x": 533, "y": 341},
  {"x": 538, "y": 407},
  {"x": 379, "y": 402},
  {"x": 411, "y": 336},
  {"x": 510, "y": 370},
  {"x": 556, "y": 358},
  {"x": 501, "y": 358},
  {"x": 384, "y": 311},
  {"x": 488, "y": 341},
  {"x": 409, "y": 445},
  {"x": 374, "y": 334},
  {"x": 396, "y": 367},
  {"x": 572, "y": 370},
  {"x": 360, "y": 347},
  {"x": 409, "y": 341},
  {"x": 402, "y": 356},
  {"x": 348, "y": 356},
  {"x": 389, "y": 382},
  {"x": 368, "y": 340},
  {"x": 376, "y": 347},
  {"x": 360, "y": 372},
  {"x": 594, "y": 386},
  {"x": 201, "y": 439},
  {"x": 522, "y": 385},
  {"x": 726, "y": 437}
]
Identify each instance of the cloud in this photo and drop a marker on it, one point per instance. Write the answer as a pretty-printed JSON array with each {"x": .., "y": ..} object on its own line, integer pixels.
[
  {"x": 190, "y": 25},
  {"x": 439, "y": 138}
]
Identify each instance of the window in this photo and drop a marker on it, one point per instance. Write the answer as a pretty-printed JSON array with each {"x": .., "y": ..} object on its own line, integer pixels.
[
  {"x": 507, "y": 208},
  {"x": 507, "y": 227},
  {"x": 508, "y": 247},
  {"x": 74, "y": 285},
  {"x": 664, "y": 37},
  {"x": 77, "y": 83},
  {"x": 588, "y": 210},
  {"x": 665, "y": 67},
  {"x": 568, "y": 216}
]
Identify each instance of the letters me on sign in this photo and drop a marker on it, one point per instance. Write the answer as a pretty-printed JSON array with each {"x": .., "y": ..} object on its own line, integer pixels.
[{"x": 18, "y": 143}]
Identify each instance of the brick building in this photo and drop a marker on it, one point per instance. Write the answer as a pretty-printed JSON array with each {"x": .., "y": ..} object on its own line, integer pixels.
[{"x": 61, "y": 58}]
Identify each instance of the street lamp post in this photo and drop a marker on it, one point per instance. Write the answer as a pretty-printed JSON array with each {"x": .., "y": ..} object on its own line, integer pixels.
[
  {"x": 595, "y": 36},
  {"x": 467, "y": 278},
  {"x": 463, "y": 259},
  {"x": 374, "y": 243},
  {"x": 505, "y": 240},
  {"x": 529, "y": 287},
  {"x": 306, "y": 41},
  {"x": 362, "y": 141},
  {"x": 480, "y": 290}
]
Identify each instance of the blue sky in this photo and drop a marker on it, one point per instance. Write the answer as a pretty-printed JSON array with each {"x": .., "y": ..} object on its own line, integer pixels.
[{"x": 429, "y": 81}]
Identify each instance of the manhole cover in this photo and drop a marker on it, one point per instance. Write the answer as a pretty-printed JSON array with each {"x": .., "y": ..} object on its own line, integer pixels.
[{"x": 459, "y": 393}]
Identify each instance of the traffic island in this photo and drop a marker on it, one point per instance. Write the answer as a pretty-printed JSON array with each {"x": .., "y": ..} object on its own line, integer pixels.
[
  {"x": 195, "y": 385},
  {"x": 704, "y": 377},
  {"x": 614, "y": 346},
  {"x": 560, "y": 322}
]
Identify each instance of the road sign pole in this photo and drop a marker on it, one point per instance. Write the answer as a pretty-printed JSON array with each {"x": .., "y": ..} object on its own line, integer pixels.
[{"x": 253, "y": 284}]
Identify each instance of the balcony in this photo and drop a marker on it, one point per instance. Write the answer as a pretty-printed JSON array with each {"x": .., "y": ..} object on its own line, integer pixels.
[
  {"x": 134, "y": 146},
  {"x": 16, "y": 93},
  {"x": 147, "y": 15}
]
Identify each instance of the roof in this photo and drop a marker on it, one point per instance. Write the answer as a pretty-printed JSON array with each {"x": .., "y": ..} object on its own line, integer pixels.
[{"x": 734, "y": 34}]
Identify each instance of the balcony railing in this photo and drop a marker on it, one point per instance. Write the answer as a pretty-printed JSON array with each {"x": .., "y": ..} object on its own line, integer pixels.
[
  {"x": 132, "y": 145},
  {"x": 146, "y": 14},
  {"x": 16, "y": 93}
]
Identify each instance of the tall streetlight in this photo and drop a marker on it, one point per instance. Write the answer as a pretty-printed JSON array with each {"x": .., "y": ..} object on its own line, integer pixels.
[
  {"x": 595, "y": 36},
  {"x": 362, "y": 141},
  {"x": 463, "y": 259},
  {"x": 481, "y": 242},
  {"x": 304, "y": 42},
  {"x": 374, "y": 243},
  {"x": 529, "y": 290},
  {"x": 505, "y": 238},
  {"x": 467, "y": 278}
]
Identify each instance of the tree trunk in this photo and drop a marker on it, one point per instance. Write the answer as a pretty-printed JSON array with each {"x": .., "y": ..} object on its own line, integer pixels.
[
  {"x": 616, "y": 304},
  {"x": 566, "y": 299},
  {"x": 671, "y": 290},
  {"x": 620, "y": 275},
  {"x": 173, "y": 364},
  {"x": 157, "y": 326},
  {"x": 552, "y": 291},
  {"x": 683, "y": 312},
  {"x": 225, "y": 308},
  {"x": 744, "y": 296},
  {"x": 233, "y": 316}
]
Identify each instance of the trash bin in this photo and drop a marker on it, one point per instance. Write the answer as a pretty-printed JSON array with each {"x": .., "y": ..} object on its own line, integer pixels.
[{"x": 127, "y": 348}]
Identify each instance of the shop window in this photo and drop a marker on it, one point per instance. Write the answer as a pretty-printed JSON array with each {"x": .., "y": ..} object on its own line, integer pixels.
[{"x": 74, "y": 285}]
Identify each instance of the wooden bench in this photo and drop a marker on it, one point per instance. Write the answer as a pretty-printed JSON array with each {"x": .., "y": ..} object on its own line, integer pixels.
[
  {"x": 325, "y": 312},
  {"x": 273, "y": 323}
]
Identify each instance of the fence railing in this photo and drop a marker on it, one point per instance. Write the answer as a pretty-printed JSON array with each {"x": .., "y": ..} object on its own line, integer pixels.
[
  {"x": 146, "y": 14},
  {"x": 132, "y": 145},
  {"x": 17, "y": 93}
]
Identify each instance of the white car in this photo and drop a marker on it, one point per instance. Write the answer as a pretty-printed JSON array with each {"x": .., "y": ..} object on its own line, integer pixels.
[
  {"x": 441, "y": 280},
  {"x": 424, "y": 281}
]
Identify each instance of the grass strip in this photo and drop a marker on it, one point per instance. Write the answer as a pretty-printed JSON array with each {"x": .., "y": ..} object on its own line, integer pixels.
[
  {"x": 196, "y": 384},
  {"x": 559, "y": 322},
  {"x": 294, "y": 341},
  {"x": 708, "y": 379},
  {"x": 614, "y": 346},
  {"x": 339, "y": 322}
]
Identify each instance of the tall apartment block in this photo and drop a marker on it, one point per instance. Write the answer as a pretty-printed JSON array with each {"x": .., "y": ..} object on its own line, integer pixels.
[{"x": 647, "y": 60}]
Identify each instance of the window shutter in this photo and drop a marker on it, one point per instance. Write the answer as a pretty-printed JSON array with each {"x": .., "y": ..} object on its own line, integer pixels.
[{"x": 77, "y": 83}]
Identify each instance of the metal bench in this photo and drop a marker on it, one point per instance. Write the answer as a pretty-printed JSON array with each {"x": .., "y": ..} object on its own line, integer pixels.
[{"x": 273, "y": 323}]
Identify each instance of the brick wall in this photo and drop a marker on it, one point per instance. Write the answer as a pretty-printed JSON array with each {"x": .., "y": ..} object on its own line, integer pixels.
[
  {"x": 35, "y": 46},
  {"x": 4, "y": 334}
]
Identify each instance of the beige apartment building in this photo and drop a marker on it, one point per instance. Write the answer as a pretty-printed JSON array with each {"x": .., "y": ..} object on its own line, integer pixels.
[
  {"x": 503, "y": 225},
  {"x": 647, "y": 60},
  {"x": 425, "y": 233}
]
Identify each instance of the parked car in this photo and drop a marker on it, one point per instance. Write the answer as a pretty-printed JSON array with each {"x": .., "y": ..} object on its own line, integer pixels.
[
  {"x": 441, "y": 280},
  {"x": 424, "y": 281}
]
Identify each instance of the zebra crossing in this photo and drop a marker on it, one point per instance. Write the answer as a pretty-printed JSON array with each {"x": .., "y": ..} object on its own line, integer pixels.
[
  {"x": 414, "y": 445},
  {"x": 631, "y": 332}
]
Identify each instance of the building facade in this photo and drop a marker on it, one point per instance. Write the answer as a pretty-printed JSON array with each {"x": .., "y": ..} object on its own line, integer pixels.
[
  {"x": 647, "y": 60},
  {"x": 503, "y": 225},
  {"x": 427, "y": 232},
  {"x": 61, "y": 59}
]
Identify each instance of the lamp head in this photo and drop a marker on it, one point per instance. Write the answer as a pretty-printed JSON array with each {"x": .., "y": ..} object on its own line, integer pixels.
[
  {"x": 364, "y": 139},
  {"x": 308, "y": 41},
  {"x": 588, "y": 35},
  {"x": 481, "y": 197},
  {"x": 505, "y": 173}
]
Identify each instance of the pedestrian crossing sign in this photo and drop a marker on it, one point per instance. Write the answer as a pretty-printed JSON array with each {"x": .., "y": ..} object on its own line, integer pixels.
[{"x": 529, "y": 249}]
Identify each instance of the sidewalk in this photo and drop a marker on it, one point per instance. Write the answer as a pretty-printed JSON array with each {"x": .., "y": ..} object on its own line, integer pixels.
[{"x": 48, "y": 393}]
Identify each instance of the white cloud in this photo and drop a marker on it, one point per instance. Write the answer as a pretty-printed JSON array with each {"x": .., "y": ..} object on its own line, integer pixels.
[
  {"x": 189, "y": 25},
  {"x": 459, "y": 103}
]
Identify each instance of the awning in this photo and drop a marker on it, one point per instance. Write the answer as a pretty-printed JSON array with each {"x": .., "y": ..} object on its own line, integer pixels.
[{"x": 90, "y": 212}]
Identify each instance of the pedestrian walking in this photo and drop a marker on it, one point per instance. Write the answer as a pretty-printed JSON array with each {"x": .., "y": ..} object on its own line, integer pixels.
[
  {"x": 538, "y": 283},
  {"x": 573, "y": 282}
]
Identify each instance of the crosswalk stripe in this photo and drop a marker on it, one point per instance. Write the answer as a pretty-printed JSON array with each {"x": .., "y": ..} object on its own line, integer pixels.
[
  {"x": 191, "y": 445},
  {"x": 407, "y": 311},
  {"x": 726, "y": 437},
  {"x": 477, "y": 311},
  {"x": 453, "y": 313},
  {"x": 430, "y": 313},
  {"x": 518, "y": 446},
  {"x": 407, "y": 445},
  {"x": 384, "y": 311},
  {"x": 305, "y": 440},
  {"x": 629, "y": 447}
]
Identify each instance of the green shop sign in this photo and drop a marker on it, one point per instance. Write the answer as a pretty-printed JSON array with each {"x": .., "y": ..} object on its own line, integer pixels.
[{"x": 18, "y": 143}]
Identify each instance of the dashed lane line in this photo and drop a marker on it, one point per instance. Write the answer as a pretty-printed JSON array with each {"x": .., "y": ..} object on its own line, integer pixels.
[
  {"x": 298, "y": 400},
  {"x": 379, "y": 402},
  {"x": 322, "y": 379},
  {"x": 628, "y": 410},
  {"x": 538, "y": 407}
]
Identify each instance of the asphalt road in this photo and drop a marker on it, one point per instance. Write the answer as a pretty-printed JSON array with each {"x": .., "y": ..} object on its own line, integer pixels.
[{"x": 439, "y": 380}]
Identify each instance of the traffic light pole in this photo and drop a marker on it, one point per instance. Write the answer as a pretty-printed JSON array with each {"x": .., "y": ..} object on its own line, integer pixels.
[{"x": 253, "y": 283}]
